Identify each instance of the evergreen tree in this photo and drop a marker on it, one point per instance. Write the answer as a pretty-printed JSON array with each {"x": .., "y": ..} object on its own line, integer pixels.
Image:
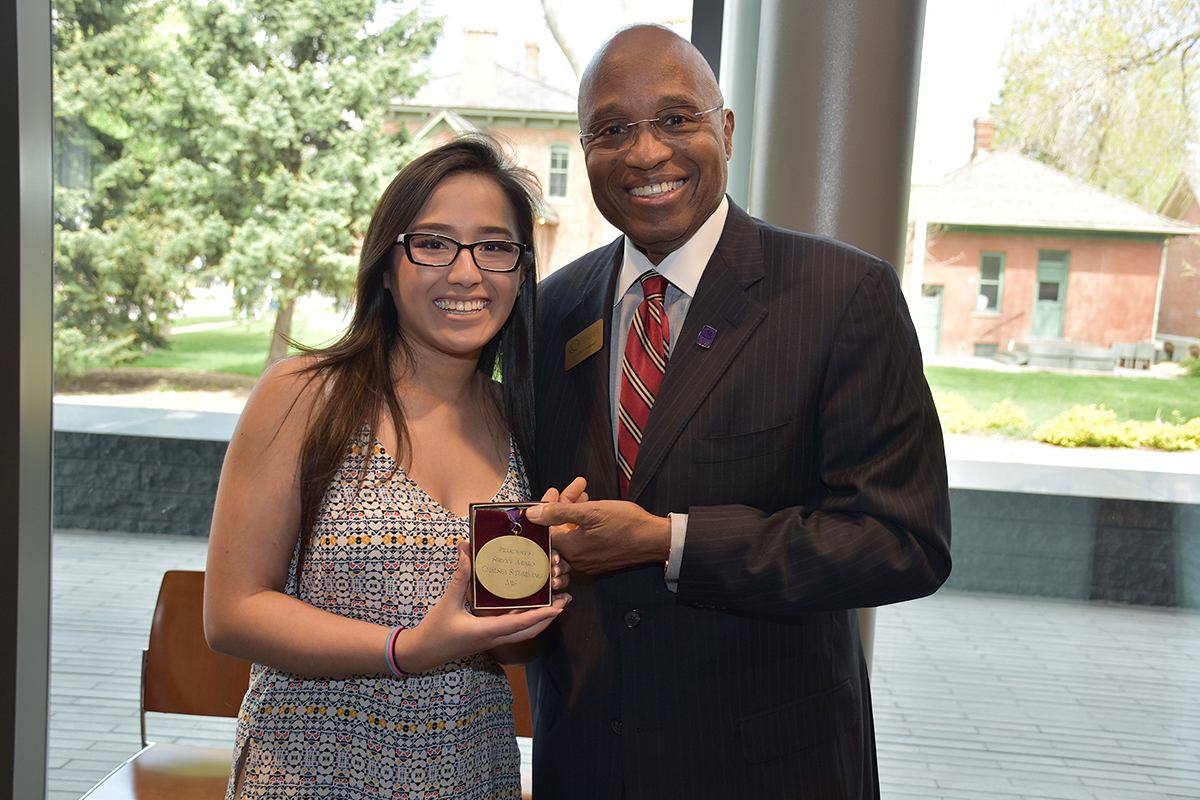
[
  {"x": 113, "y": 285},
  {"x": 238, "y": 138}
]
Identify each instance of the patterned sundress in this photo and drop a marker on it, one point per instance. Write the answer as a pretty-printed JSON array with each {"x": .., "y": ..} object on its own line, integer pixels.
[{"x": 382, "y": 553}]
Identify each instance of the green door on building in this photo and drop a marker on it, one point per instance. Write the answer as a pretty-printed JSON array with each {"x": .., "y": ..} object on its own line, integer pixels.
[{"x": 1050, "y": 294}]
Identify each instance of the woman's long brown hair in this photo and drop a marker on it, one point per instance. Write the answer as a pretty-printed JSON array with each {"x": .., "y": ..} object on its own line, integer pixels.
[{"x": 356, "y": 376}]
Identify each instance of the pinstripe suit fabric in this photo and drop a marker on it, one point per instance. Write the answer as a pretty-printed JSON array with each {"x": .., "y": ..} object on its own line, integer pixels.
[{"x": 805, "y": 448}]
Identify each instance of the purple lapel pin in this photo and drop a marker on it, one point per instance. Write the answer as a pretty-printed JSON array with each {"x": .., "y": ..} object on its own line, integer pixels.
[{"x": 707, "y": 334}]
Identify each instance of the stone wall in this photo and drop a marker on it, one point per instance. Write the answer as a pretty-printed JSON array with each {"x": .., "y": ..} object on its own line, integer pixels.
[
  {"x": 1086, "y": 548},
  {"x": 137, "y": 484}
]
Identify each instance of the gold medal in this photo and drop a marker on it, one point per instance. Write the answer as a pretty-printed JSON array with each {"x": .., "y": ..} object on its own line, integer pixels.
[{"x": 512, "y": 566}]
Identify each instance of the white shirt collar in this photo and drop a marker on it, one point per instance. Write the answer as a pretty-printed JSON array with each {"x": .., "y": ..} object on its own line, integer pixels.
[{"x": 684, "y": 266}]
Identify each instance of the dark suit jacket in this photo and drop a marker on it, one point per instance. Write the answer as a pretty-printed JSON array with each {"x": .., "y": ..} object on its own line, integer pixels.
[{"x": 805, "y": 447}]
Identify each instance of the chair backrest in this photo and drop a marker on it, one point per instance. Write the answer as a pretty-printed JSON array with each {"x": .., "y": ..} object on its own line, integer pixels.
[
  {"x": 522, "y": 719},
  {"x": 181, "y": 674}
]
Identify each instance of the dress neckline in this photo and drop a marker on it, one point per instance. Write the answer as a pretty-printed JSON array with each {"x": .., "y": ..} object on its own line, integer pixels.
[{"x": 407, "y": 479}]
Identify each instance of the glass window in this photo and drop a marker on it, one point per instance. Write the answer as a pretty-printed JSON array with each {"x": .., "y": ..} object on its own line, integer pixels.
[
  {"x": 991, "y": 282},
  {"x": 560, "y": 161}
]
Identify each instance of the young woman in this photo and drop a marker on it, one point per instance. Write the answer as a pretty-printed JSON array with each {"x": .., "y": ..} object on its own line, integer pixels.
[{"x": 335, "y": 562}]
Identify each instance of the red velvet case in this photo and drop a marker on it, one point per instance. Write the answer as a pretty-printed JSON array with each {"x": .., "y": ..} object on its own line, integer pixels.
[{"x": 489, "y": 522}]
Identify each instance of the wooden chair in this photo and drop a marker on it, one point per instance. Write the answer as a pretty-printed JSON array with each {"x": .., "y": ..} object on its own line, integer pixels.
[{"x": 180, "y": 675}]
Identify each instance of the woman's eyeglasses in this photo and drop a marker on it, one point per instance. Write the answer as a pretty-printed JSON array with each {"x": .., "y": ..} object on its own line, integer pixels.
[{"x": 435, "y": 250}]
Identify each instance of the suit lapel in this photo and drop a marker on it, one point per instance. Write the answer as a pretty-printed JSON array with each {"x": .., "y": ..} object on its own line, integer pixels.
[
  {"x": 589, "y": 378},
  {"x": 721, "y": 302}
]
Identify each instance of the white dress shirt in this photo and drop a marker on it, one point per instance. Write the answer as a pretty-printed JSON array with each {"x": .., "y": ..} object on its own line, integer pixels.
[{"x": 682, "y": 269}]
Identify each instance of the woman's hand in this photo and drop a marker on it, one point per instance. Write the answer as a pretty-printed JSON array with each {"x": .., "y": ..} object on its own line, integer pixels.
[{"x": 450, "y": 631}]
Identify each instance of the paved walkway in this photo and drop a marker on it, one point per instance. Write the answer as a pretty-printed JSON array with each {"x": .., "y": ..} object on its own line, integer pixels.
[{"x": 977, "y": 697}]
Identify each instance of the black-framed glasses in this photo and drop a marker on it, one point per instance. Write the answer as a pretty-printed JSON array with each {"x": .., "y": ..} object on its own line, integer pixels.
[
  {"x": 435, "y": 250},
  {"x": 612, "y": 135}
]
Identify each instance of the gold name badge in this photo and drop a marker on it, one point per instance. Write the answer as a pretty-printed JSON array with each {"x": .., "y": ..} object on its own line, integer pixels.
[
  {"x": 585, "y": 344},
  {"x": 512, "y": 567}
]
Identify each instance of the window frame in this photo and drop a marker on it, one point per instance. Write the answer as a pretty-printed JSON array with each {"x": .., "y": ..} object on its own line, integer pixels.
[
  {"x": 998, "y": 282},
  {"x": 560, "y": 150}
]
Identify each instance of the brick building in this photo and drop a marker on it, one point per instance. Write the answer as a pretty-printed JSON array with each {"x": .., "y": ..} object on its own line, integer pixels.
[
  {"x": 1016, "y": 250},
  {"x": 538, "y": 119}
]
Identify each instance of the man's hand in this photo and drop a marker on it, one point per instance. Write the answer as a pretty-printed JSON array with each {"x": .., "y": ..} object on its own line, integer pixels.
[
  {"x": 608, "y": 535},
  {"x": 575, "y": 492}
]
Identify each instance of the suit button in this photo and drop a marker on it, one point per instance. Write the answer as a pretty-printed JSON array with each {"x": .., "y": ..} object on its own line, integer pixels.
[
  {"x": 632, "y": 619},
  {"x": 617, "y": 727}
]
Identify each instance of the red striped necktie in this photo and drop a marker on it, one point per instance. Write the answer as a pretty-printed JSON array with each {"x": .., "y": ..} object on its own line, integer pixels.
[{"x": 641, "y": 372}]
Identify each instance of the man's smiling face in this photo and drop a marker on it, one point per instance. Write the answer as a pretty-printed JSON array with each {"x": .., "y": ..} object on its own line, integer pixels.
[{"x": 657, "y": 192}]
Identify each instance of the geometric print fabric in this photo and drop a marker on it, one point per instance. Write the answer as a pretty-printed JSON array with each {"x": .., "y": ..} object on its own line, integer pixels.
[{"x": 383, "y": 552}]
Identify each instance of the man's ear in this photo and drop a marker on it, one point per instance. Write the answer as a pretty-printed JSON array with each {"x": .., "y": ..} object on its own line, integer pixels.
[{"x": 728, "y": 131}]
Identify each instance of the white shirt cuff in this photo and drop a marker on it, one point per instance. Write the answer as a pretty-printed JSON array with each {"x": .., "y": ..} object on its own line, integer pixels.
[{"x": 678, "y": 534}]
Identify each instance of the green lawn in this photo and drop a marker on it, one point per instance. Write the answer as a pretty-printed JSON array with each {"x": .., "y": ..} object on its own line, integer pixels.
[
  {"x": 1044, "y": 395},
  {"x": 238, "y": 347},
  {"x": 241, "y": 348}
]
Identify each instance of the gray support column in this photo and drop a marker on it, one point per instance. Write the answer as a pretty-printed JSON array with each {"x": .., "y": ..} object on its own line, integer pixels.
[
  {"x": 706, "y": 30},
  {"x": 26, "y": 265},
  {"x": 833, "y": 127},
  {"x": 738, "y": 76},
  {"x": 834, "y": 116}
]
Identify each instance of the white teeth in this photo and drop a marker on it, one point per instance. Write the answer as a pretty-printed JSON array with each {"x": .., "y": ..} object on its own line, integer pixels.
[
  {"x": 460, "y": 306},
  {"x": 656, "y": 189}
]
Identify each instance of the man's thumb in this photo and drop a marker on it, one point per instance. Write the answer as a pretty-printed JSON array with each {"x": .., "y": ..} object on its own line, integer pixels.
[{"x": 542, "y": 515}]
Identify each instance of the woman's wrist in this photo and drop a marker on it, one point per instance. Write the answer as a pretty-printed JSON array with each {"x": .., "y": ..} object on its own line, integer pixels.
[{"x": 393, "y": 665}]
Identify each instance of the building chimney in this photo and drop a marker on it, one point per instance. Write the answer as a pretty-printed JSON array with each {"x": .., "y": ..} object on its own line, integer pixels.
[
  {"x": 479, "y": 66},
  {"x": 531, "y": 60},
  {"x": 984, "y": 127}
]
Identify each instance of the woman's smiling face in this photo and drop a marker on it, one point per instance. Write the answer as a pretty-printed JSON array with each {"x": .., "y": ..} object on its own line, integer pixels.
[{"x": 456, "y": 310}]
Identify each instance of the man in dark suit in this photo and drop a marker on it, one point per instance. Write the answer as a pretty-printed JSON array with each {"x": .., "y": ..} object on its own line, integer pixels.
[{"x": 790, "y": 472}]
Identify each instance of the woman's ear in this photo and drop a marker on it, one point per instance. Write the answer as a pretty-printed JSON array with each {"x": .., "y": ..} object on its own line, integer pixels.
[{"x": 389, "y": 272}]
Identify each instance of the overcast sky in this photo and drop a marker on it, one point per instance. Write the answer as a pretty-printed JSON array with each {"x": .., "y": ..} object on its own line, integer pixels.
[{"x": 959, "y": 78}]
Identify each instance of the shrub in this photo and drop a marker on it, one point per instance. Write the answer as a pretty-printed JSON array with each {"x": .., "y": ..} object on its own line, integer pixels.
[
  {"x": 1097, "y": 426},
  {"x": 1006, "y": 417},
  {"x": 1165, "y": 436},
  {"x": 1191, "y": 367},
  {"x": 74, "y": 354},
  {"x": 958, "y": 416},
  {"x": 1079, "y": 426},
  {"x": 1086, "y": 426}
]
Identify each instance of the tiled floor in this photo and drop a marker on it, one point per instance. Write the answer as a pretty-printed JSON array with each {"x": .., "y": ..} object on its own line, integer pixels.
[{"x": 977, "y": 697}]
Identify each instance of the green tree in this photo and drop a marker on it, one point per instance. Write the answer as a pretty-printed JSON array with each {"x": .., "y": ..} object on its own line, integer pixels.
[
  {"x": 1105, "y": 90},
  {"x": 294, "y": 97},
  {"x": 115, "y": 284},
  {"x": 238, "y": 138}
]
